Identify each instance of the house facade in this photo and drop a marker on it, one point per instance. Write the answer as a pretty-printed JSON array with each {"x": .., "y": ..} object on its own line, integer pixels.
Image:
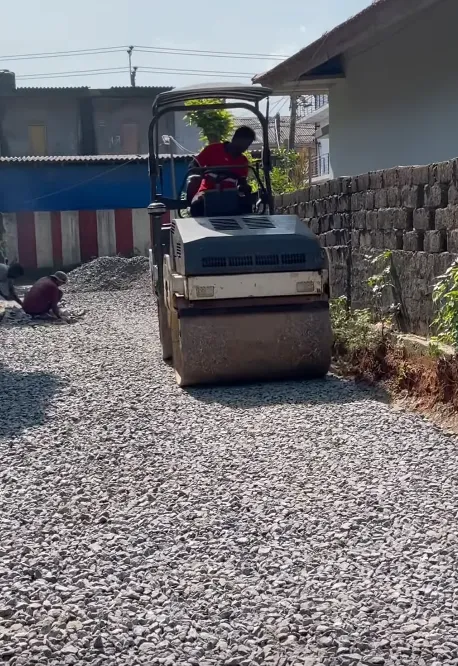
[
  {"x": 390, "y": 75},
  {"x": 83, "y": 121}
]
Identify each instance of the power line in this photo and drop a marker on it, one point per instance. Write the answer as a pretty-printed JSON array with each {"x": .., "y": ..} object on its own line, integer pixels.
[
  {"x": 141, "y": 49},
  {"x": 63, "y": 54},
  {"x": 200, "y": 52},
  {"x": 145, "y": 70},
  {"x": 194, "y": 71}
]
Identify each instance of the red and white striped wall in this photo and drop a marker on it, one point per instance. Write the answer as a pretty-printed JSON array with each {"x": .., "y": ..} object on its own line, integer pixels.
[{"x": 66, "y": 238}]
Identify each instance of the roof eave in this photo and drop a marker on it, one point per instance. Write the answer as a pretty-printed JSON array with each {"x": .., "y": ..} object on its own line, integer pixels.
[{"x": 364, "y": 27}]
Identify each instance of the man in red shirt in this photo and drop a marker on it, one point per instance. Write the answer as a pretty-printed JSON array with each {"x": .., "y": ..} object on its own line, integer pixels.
[
  {"x": 43, "y": 297},
  {"x": 228, "y": 154}
]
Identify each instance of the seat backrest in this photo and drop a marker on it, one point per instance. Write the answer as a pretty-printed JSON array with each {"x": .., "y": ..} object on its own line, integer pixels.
[{"x": 221, "y": 202}]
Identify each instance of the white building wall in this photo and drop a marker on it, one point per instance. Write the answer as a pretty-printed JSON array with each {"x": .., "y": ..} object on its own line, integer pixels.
[{"x": 398, "y": 104}]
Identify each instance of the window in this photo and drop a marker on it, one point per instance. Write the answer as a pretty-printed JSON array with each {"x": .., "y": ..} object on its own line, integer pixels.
[
  {"x": 129, "y": 139},
  {"x": 37, "y": 140}
]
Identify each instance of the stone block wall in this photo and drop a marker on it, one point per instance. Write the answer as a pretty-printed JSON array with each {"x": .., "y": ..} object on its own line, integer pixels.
[{"x": 412, "y": 211}]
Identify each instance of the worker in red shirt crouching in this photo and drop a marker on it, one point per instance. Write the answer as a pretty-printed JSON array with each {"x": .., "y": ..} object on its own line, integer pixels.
[
  {"x": 43, "y": 297},
  {"x": 227, "y": 154}
]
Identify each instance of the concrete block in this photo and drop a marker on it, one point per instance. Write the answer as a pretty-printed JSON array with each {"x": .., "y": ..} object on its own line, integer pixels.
[
  {"x": 436, "y": 195},
  {"x": 315, "y": 192},
  {"x": 432, "y": 174},
  {"x": 322, "y": 239},
  {"x": 315, "y": 225},
  {"x": 423, "y": 219},
  {"x": 289, "y": 198},
  {"x": 372, "y": 220},
  {"x": 359, "y": 219},
  {"x": 301, "y": 209},
  {"x": 403, "y": 219},
  {"x": 355, "y": 238},
  {"x": 446, "y": 172},
  {"x": 369, "y": 200},
  {"x": 381, "y": 199},
  {"x": 405, "y": 175},
  {"x": 335, "y": 186},
  {"x": 344, "y": 203},
  {"x": 394, "y": 197},
  {"x": 353, "y": 184},
  {"x": 331, "y": 204},
  {"x": 310, "y": 209},
  {"x": 412, "y": 196},
  {"x": 435, "y": 241},
  {"x": 386, "y": 219},
  {"x": 446, "y": 218},
  {"x": 356, "y": 201},
  {"x": 453, "y": 195},
  {"x": 325, "y": 223},
  {"x": 391, "y": 177},
  {"x": 331, "y": 239},
  {"x": 379, "y": 240},
  {"x": 337, "y": 221},
  {"x": 363, "y": 182},
  {"x": 420, "y": 175},
  {"x": 376, "y": 180},
  {"x": 365, "y": 240},
  {"x": 452, "y": 241},
  {"x": 345, "y": 185},
  {"x": 413, "y": 241},
  {"x": 393, "y": 240},
  {"x": 325, "y": 189},
  {"x": 321, "y": 207}
]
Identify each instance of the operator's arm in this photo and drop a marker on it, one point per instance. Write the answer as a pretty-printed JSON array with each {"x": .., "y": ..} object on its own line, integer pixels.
[{"x": 54, "y": 304}]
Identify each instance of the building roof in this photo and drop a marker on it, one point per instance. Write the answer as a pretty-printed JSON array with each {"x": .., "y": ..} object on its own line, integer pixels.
[
  {"x": 86, "y": 159},
  {"x": 120, "y": 91},
  {"x": 305, "y": 132},
  {"x": 321, "y": 58}
]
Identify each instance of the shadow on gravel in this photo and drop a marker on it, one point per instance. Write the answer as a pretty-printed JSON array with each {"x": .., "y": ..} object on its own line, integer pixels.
[
  {"x": 308, "y": 392},
  {"x": 24, "y": 399}
]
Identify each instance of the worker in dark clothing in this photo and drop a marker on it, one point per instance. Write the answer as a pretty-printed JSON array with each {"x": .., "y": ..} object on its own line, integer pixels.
[
  {"x": 44, "y": 296},
  {"x": 8, "y": 274}
]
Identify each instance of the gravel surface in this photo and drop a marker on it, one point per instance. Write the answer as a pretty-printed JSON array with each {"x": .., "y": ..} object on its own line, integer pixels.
[
  {"x": 287, "y": 523},
  {"x": 109, "y": 274}
]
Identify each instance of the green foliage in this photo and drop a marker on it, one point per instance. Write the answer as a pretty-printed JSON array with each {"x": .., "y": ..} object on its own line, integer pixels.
[
  {"x": 214, "y": 125},
  {"x": 353, "y": 329},
  {"x": 445, "y": 299},
  {"x": 290, "y": 171},
  {"x": 382, "y": 289}
]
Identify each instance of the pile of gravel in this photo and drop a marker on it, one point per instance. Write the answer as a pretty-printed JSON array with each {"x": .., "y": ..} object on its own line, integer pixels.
[
  {"x": 109, "y": 274},
  {"x": 285, "y": 524}
]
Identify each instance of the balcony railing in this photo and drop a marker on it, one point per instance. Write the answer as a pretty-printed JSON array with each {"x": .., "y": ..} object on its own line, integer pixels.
[
  {"x": 320, "y": 166},
  {"x": 310, "y": 103}
]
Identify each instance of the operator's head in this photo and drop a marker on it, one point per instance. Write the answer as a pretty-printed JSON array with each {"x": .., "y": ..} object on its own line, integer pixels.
[{"x": 242, "y": 139}]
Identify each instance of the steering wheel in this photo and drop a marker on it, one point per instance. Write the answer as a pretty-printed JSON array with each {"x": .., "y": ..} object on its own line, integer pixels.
[{"x": 219, "y": 173}]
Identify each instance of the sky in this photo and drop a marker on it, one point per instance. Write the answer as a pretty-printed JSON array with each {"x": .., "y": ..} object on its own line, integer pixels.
[{"x": 29, "y": 27}]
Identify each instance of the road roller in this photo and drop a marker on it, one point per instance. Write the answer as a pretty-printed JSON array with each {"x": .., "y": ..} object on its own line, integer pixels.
[{"x": 242, "y": 293}]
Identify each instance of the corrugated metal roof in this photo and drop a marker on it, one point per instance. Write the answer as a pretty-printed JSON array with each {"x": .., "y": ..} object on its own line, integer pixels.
[
  {"x": 305, "y": 133},
  {"x": 87, "y": 159}
]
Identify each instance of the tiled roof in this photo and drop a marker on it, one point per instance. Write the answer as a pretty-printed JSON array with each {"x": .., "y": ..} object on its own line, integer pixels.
[
  {"x": 86, "y": 159},
  {"x": 305, "y": 133}
]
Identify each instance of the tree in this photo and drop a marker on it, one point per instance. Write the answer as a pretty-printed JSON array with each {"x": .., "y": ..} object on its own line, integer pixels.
[{"x": 214, "y": 125}]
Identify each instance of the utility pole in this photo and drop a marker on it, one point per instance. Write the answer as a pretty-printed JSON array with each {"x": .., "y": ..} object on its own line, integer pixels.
[
  {"x": 132, "y": 72},
  {"x": 292, "y": 123}
]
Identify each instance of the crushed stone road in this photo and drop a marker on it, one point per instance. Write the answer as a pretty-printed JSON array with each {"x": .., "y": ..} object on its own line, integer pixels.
[{"x": 299, "y": 523}]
